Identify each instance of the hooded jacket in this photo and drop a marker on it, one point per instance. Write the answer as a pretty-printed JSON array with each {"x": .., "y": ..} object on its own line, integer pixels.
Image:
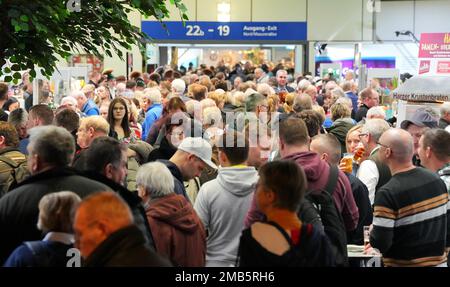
[
  {"x": 222, "y": 204},
  {"x": 317, "y": 172},
  {"x": 177, "y": 231}
]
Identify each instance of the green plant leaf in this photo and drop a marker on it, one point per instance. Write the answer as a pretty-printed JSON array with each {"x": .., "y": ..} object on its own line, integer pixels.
[
  {"x": 17, "y": 75},
  {"x": 24, "y": 18}
]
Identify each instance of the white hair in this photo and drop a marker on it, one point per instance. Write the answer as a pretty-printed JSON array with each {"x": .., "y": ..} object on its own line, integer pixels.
[
  {"x": 120, "y": 88},
  {"x": 178, "y": 86},
  {"x": 77, "y": 94},
  {"x": 249, "y": 92},
  {"x": 68, "y": 100},
  {"x": 206, "y": 103},
  {"x": 375, "y": 127},
  {"x": 338, "y": 92},
  {"x": 303, "y": 85},
  {"x": 156, "y": 179},
  {"x": 212, "y": 116},
  {"x": 265, "y": 89},
  {"x": 55, "y": 211},
  {"x": 376, "y": 112},
  {"x": 153, "y": 95},
  {"x": 54, "y": 145},
  {"x": 281, "y": 71},
  {"x": 345, "y": 101},
  {"x": 194, "y": 107},
  {"x": 219, "y": 91}
]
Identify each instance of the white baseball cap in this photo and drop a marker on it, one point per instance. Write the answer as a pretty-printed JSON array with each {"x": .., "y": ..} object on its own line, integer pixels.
[{"x": 198, "y": 147}]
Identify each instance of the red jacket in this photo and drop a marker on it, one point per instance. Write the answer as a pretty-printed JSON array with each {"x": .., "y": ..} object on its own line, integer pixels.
[{"x": 177, "y": 231}]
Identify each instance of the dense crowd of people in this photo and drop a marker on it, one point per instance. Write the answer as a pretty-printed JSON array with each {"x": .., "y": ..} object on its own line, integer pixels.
[{"x": 252, "y": 166}]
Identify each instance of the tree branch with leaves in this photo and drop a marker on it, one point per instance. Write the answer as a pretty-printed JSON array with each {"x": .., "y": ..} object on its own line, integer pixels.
[{"x": 33, "y": 33}]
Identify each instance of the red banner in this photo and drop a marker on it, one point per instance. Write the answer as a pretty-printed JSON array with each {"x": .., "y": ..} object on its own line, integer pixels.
[
  {"x": 443, "y": 67},
  {"x": 434, "y": 45},
  {"x": 424, "y": 66}
]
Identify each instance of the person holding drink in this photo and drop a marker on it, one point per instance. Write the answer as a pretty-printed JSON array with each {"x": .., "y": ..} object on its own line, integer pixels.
[
  {"x": 355, "y": 151},
  {"x": 282, "y": 89}
]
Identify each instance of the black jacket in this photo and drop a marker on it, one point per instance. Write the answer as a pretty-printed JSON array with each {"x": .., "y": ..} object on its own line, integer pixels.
[
  {"x": 165, "y": 151},
  {"x": 79, "y": 160},
  {"x": 361, "y": 113},
  {"x": 361, "y": 195},
  {"x": 177, "y": 178},
  {"x": 126, "y": 248},
  {"x": 19, "y": 208},
  {"x": 443, "y": 123},
  {"x": 133, "y": 201}
]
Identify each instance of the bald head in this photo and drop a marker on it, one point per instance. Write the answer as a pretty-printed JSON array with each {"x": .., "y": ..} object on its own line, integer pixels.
[
  {"x": 97, "y": 217},
  {"x": 401, "y": 144}
]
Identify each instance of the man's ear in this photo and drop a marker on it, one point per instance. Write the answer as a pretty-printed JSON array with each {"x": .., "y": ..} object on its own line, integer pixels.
[
  {"x": 191, "y": 157},
  {"x": 108, "y": 171},
  {"x": 369, "y": 138},
  {"x": 271, "y": 196},
  {"x": 2, "y": 140},
  {"x": 324, "y": 156},
  {"x": 388, "y": 153},
  {"x": 35, "y": 163},
  {"x": 104, "y": 228},
  {"x": 428, "y": 152},
  {"x": 91, "y": 131}
]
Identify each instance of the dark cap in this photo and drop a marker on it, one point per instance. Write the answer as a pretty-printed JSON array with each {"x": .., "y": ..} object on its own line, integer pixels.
[
  {"x": 421, "y": 118},
  {"x": 140, "y": 82}
]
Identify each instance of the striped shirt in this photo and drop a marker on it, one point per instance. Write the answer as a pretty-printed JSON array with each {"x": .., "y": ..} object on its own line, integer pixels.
[
  {"x": 411, "y": 225},
  {"x": 444, "y": 173}
]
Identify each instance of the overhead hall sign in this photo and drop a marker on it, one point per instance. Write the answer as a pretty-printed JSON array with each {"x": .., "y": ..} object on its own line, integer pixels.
[{"x": 226, "y": 31}]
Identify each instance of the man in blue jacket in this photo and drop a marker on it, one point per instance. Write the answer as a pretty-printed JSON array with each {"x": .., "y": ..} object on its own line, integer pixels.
[
  {"x": 86, "y": 106},
  {"x": 153, "y": 110}
]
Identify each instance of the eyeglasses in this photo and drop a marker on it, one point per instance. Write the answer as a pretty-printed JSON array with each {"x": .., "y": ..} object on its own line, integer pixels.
[{"x": 383, "y": 145}]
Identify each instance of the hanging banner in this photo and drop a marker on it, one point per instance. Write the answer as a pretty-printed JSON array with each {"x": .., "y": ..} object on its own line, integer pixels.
[{"x": 434, "y": 54}]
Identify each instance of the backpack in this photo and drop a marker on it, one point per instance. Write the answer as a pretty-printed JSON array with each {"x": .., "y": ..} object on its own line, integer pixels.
[
  {"x": 321, "y": 207},
  {"x": 17, "y": 173}
]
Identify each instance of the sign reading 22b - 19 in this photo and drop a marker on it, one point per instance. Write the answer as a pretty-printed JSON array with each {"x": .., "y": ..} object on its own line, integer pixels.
[{"x": 234, "y": 31}]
